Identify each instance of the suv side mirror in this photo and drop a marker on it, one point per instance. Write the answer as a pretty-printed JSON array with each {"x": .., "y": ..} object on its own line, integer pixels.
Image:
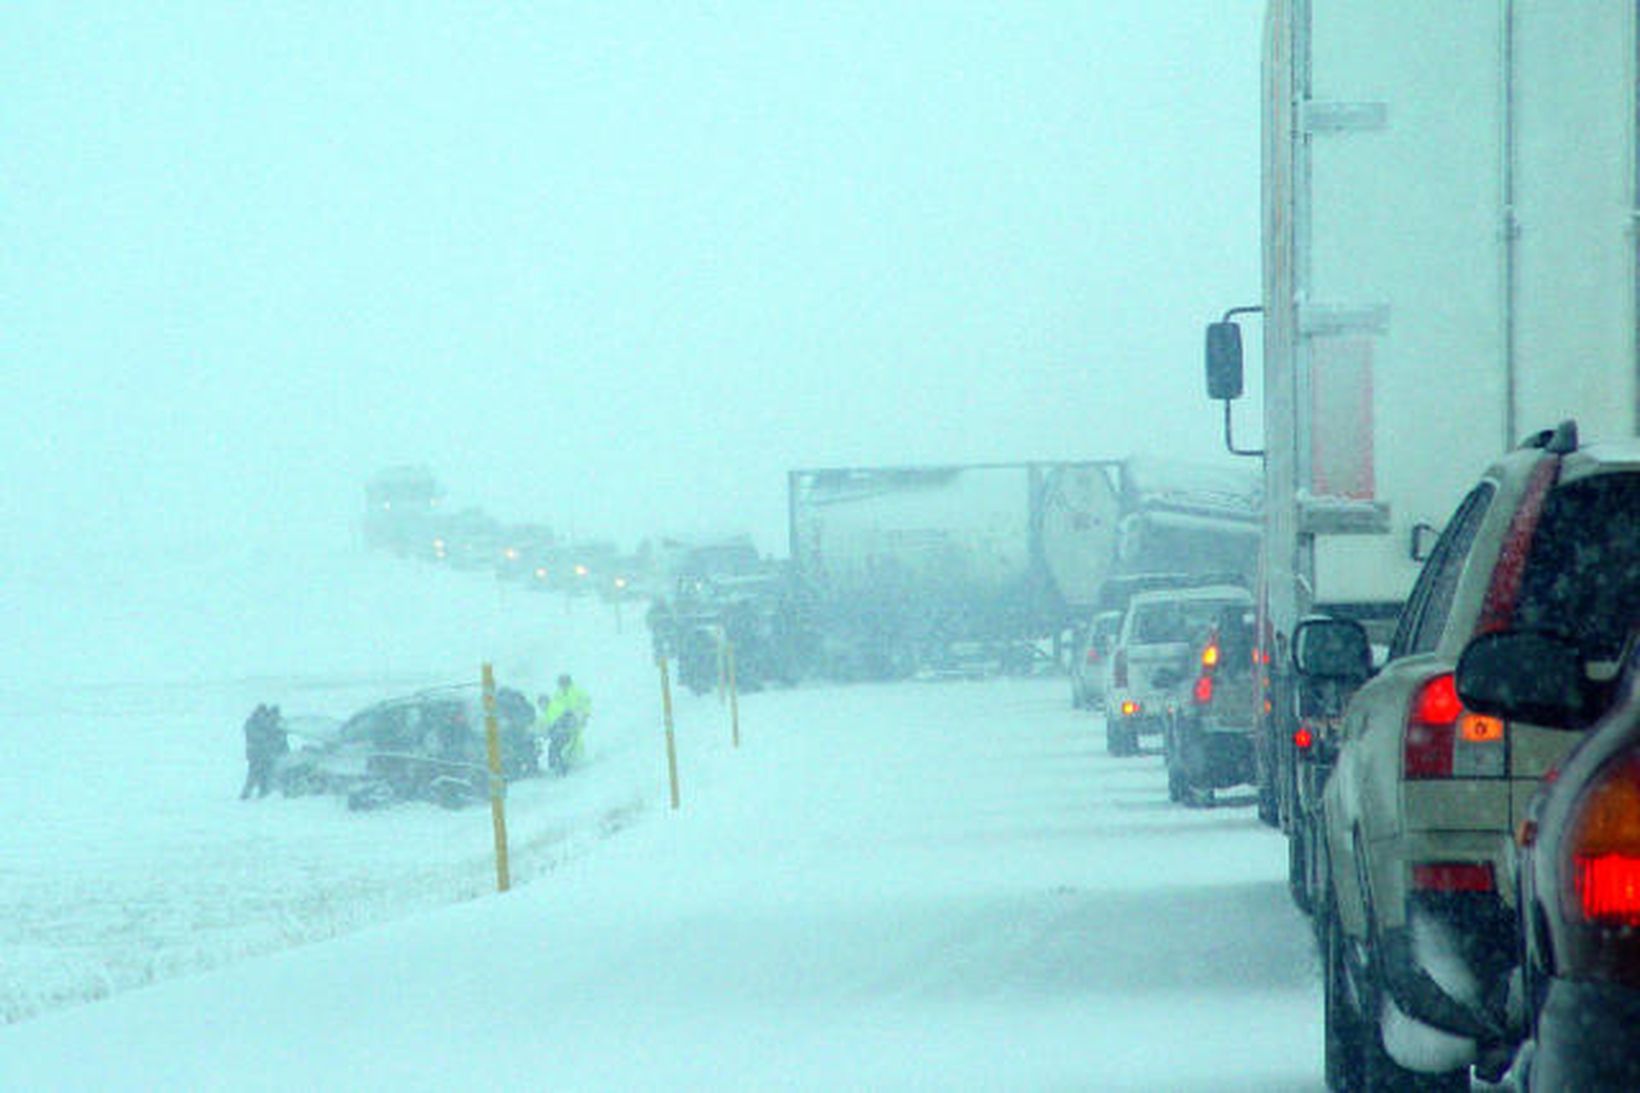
[
  {"x": 1224, "y": 367},
  {"x": 1332, "y": 649},
  {"x": 1526, "y": 675}
]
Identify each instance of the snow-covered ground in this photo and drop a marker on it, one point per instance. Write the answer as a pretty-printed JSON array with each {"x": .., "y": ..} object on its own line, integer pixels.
[{"x": 921, "y": 885}]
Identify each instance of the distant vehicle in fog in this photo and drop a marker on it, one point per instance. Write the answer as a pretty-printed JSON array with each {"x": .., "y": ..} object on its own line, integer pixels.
[
  {"x": 1208, "y": 737},
  {"x": 1090, "y": 660},
  {"x": 469, "y": 539},
  {"x": 720, "y": 595},
  {"x": 519, "y": 548},
  {"x": 1151, "y": 660},
  {"x": 903, "y": 567},
  {"x": 401, "y": 504}
]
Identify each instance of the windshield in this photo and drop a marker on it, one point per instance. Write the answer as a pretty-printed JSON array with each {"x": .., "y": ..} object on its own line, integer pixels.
[{"x": 1174, "y": 621}]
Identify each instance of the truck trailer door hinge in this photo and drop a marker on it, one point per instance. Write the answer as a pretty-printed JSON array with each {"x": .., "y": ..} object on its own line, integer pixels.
[{"x": 1320, "y": 116}]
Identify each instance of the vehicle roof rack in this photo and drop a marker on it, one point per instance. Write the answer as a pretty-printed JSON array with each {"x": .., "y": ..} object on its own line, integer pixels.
[{"x": 1561, "y": 440}]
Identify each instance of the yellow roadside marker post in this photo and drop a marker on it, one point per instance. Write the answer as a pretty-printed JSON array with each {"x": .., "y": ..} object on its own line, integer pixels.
[
  {"x": 734, "y": 693},
  {"x": 671, "y": 742},
  {"x": 498, "y": 785}
]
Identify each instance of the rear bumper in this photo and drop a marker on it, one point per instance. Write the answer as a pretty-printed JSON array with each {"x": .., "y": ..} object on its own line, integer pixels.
[
  {"x": 1148, "y": 719},
  {"x": 1588, "y": 1037},
  {"x": 1215, "y": 755}
]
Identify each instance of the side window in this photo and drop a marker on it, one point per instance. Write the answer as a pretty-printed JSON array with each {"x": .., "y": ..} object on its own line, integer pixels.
[{"x": 1431, "y": 601}]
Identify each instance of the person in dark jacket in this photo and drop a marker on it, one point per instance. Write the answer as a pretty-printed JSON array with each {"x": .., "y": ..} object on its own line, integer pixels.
[{"x": 265, "y": 742}]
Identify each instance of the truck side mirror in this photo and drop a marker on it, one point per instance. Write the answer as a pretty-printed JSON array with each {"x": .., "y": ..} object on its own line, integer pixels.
[
  {"x": 1224, "y": 367},
  {"x": 1332, "y": 649},
  {"x": 1526, "y": 676}
]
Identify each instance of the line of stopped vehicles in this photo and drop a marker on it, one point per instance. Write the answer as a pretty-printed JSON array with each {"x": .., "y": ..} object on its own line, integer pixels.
[{"x": 1462, "y": 802}]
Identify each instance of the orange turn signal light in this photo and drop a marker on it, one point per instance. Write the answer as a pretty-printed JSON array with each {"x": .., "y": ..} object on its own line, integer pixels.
[{"x": 1475, "y": 728}]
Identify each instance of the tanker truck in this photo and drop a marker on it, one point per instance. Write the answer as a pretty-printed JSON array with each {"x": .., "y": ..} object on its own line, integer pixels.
[{"x": 983, "y": 567}]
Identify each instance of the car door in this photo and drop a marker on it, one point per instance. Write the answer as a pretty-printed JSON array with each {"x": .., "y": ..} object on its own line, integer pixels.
[{"x": 1363, "y": 796}]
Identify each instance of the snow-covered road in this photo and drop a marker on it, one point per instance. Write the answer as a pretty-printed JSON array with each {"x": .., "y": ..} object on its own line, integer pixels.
[{"x": 935, "y": 885}]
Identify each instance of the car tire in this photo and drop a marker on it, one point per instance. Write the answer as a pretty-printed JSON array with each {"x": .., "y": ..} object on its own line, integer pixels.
[
  {"x": 1343, "y": 1029},
  {"x": 1269, "y": 811},
  {"x": 1354, "y": 1056},
  {"x": 1298, "y": 877},
  {"x": 1120, "y": 742}
]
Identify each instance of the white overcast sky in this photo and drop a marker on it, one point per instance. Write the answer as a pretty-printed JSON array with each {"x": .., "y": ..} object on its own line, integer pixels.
[{"x": 616, "y": 265}]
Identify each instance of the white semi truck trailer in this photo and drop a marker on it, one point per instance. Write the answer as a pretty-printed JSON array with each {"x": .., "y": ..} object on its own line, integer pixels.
[{"x": 1450, "y": 197}]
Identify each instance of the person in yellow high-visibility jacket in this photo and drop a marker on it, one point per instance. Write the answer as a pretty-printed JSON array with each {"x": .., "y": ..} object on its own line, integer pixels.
[{"x": 563, "y": 716}]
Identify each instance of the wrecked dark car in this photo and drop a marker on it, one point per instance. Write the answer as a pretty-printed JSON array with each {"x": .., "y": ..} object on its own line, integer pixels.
[{"x": 428, "y": 746}]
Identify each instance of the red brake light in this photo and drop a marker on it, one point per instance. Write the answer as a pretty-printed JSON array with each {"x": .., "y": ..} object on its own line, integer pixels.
[
  {"x": 1437, "y": 702},
  {"x": 1093, "y": 655},
  {"x": 1203, "y": 691},
  {"x": 1303, "y": 738},
  {"x": 1604, "y": 847},
  {"x": 1431, "y": 729},
  {"x": 1453, "y": 877}
]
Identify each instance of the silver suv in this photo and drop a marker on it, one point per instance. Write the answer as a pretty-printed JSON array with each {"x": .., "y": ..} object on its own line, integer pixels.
[
  {"x": 1152, "y": 658},
  {"x": 1414, "y": 905}
]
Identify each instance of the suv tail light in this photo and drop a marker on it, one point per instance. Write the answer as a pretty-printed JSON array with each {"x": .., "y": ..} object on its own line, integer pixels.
[
  {"x": 1603, "y": 846},
  {"x": 1210, "y": 654},
  {"x": 1093, "y": 656},
  {"x": 1118, "y": 674},
  {"x": 1202, "y": 692},
  {"x": 1444, "y": 740}
]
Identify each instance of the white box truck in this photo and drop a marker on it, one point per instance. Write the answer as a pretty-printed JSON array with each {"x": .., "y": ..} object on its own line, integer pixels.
[{"x": 1450, "y": 194}]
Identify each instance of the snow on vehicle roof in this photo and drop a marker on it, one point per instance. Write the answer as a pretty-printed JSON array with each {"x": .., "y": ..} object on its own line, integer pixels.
[
  {"x": 1229, "y": 592},
  {"x": 1170, "y": 483}
]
